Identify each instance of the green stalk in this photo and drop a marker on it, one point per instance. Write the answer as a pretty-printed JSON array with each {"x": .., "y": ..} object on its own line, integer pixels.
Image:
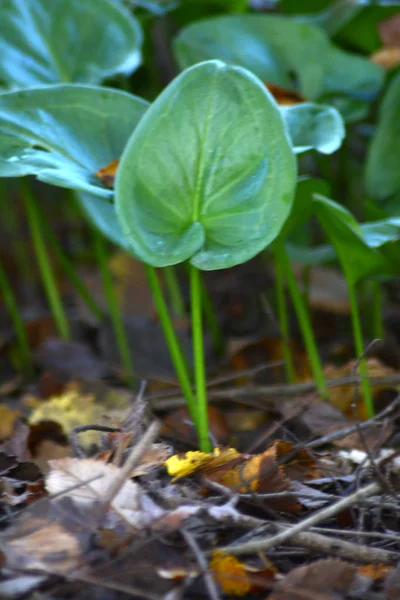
[
  {"x": 211, "y": 320},
  {"x": 174, "y": 292},
  {"x": 198, "y": 356},
  {"x": 43, "y": 261},
  {"x": 113, "y": 307},
  {"x": 359, "y": 347},
  {"x": 18, "y": 324},
  {"x": 69, "y": 268},
  {"x": 378, "y": 329},
  {"x": 283, "y": 322},
  {"x": 173, "y": 344},
  {"x": 303, "y": 318}
]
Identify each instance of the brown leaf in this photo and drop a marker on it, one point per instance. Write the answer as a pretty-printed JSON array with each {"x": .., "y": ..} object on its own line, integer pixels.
[
  {"x": 7, "y": 421},
  {"x": 327, "y": 579},
  {"x": 342, "y": 396},
  {"x": 179, "y": 426},
  {"x": 387, "y": 58},
  {"x": 107, "y": 173},
  {"x": 284, "y": 97},
  {"x": 389, "y": 31},
  {"x": 268, "y": 349},
  {"x": 237, "y": 578}
]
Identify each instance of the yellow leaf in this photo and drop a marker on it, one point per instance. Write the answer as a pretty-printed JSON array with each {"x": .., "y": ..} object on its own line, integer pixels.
[
  {"x": 230, "y": 574},
  {"x": 181, "y": 465},
  {"x": 7, "y": 420}
]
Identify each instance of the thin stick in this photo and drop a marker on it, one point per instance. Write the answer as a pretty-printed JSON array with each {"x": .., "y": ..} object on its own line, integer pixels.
[
  {"x": 43, "y": 261},
  {"x": 283, "y": 322},
  {"x": 304, "y": 319},
  {"x": 18, "y": 324},
  {"x": 114, "y": 308},
  {"x": 198, "y": 358},
  {"x": 202, "y": 562},
  {"x": 133, "y": 459},
  {"x": 263, "y": 545},
  {"x": 173, "y": 344}
]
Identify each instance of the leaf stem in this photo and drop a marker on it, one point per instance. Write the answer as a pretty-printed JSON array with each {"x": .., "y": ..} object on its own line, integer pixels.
[
  {"x": 174, "y": 292},
  {"x": 283, "y": 322},
  {"x": 303, "y": 317},
  {"x": 18, "y": 324},
  {"x": 113, "y": 307},
  {"x": 43, "y": 261},
  {"x": 359, "y": 348},
  {"x": 173, "y": 344},
  {"x": 198, "y": 357}
]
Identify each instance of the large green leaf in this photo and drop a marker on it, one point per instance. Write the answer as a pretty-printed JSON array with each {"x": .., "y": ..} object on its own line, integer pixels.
[
  {"x": 314, "y": 126},
  {"x": 282, "y": 51},
  {"x": 63, "y": 134},
  {"x": 209, "y": 173},
  {"x": 358, "y": 259},
  {"x": 385, "y": 235},
  {"x": 383, "y": 162},
  {"x": 101, "y": 213},
  {"x": 53, "y": 41},
  {"x": 277, "y": 49}
]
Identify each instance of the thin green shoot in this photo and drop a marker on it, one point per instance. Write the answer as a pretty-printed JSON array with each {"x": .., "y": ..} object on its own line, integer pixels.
[
  {"x": 43, "y": 260},
  {"x": 198, "y": 359},
  {"x": 175, "y": 350},
  {"x": 68, "y": 267},
  {"x": 303, "y": 318},
  {"x": 174, "y": 292},
  {"x": 113, "y": 307},
  {"x": 211, "y": 319},
  {"x": 284, "y": 323},
  {"x": 359, "y": 348},
  {"x": 24, "y": 351},
  {"x": 378, "y": 328}
]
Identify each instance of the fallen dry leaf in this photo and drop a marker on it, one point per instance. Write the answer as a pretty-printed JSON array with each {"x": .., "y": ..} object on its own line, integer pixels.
[
  {"x": 7, "y": 421},
  {"x": 389, "y": 31},
  {"x": 327, "y": 579},
  {"x": 342, "y": 396},
  {"x": 87, "y": 481},
  {"x": 182, "y": 465},
  {"x": 71, "y": 409},
  {"x": 237, "y": 578},
  {"x": 388, "y": 57},
  {"x": 230, "y": 574},
  {"x": 179, "y": 425},
  {"x": 107, "y": 173},
  {"x": 284, "y": 97}
]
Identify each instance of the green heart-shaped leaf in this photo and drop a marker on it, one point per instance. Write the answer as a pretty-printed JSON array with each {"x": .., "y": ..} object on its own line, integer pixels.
[
  {"x": 382, "y": 171},
  {"x": 357, "y": 257},
  {"x": 209, "y": 173},
  {"x": 275, "y": 48},
  {"x": 280, "y": 50},
  {"x": 314, "y": 126},
  {"x": 63, "y": 134},
  {"x": 53, "y": 41},
  {"x": 101, "y": 212}
]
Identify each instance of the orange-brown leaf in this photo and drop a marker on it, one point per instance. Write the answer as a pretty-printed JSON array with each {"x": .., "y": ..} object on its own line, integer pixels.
[{"x": 107, "y": 173}]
